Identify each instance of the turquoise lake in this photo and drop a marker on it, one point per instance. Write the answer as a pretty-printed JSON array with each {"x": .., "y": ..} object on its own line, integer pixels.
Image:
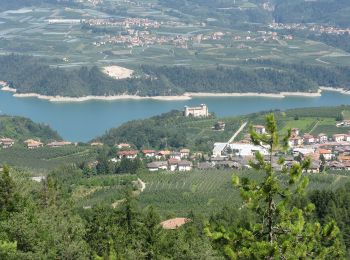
[{"x": 86, "y": 120}]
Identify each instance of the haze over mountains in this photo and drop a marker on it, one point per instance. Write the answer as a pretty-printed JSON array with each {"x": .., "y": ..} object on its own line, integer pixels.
[
  {"x": 211, "y": 46},
  {"x": 333, "y": 12}
]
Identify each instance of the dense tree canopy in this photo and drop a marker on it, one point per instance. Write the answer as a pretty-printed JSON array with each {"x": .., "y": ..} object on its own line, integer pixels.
[
  {"x": 21, "y": 128},
  {"x": 32, "y": 75},
  {"x": 282, "y": 230},
  {"x": 324, "y": 11}
]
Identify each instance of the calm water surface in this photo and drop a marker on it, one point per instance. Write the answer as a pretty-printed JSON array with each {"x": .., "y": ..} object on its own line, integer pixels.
[{"x": 84, "y": 121}]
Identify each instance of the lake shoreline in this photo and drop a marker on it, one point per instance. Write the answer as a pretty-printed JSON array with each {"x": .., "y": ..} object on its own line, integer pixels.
[{"x": 184, "y": 97}]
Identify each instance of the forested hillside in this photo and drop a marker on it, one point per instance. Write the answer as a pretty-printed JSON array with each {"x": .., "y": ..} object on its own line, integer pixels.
[
  {"x": 223, "y": 13},
  {"x": 16, "y": 4},
  {"x": 335, "y": 12},
  {"x": 21, "y": 128},
  {"x": 31, "y": 75}
]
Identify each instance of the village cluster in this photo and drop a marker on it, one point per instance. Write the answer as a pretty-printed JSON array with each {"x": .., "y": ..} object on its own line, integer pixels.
[
  {"x": 134, "y": 37},
  {"x": 325, "y": 152},
  {"x": 138, "y": 32},
  {"x": 332, "y": 152},
  {"x": 31, "y": 143}
]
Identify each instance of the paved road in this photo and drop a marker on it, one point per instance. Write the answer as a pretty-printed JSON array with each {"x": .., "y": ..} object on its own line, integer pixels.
[
  {"x": 237, "y": 132},
  {"x": 314, "y": 127}
]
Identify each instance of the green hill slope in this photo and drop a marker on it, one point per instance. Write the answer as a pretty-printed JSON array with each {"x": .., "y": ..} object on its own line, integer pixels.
[{"x": 21, "y": 128}]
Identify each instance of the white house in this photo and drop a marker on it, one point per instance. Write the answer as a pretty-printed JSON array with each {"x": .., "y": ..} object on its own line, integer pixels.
[
  {"x": 295, "y": 132},
  {"x": 172, "y": 163},
  {"x": 238, "y": 149},
  {"x": 123, "y": 146},
  {"x": 309, "y": 139},
  {"x": 149, "y": 153},
  {"x": 260, "y": 129},
  {"x": 184, "y": 153},
  {"x": 302, "y": 151},
  {"x": 156, "y": 166},
  {"x": 162, "y": 154},
  {"x": 184, "y": 166},
  {"x": 175, "y": 155},
  {"x": 322, "y": 138},
  {"x": 327, "y": 154},
  {"x": 127, "y": 154},
  {"x": 33, "y": 144},
  {"x": 56, "y": 144},
  {"x": 38, "y": 178},
  {"x": 295, "y": 141},
  {"x": 314, "y": 167},
  {"x": 339, "y": 137},
  {"x": 6, "y": 142}
]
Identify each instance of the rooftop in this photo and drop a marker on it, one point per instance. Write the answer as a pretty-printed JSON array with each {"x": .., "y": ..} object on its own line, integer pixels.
[{"x": 174, "y": 223}]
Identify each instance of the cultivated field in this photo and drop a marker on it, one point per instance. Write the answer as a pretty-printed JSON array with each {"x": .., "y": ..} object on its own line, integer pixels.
[
  {"x": 32, "y": 31},
  {"x": 178, "y": 194}
]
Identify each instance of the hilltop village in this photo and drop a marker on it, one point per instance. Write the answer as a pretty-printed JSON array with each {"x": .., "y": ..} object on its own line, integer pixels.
[{"x": 332, "y": 152}]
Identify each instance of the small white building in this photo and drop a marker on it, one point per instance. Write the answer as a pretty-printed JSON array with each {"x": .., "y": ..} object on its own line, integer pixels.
[
  {"x": 201, "y": 111},
  {"x": 303, "y": 151},
  {"x": 185, "y": 153},
  {"x": 149, "y": 153},
  {"x": 56, "y": 144},
  {"x": 295, "y": 132},
  {"x": 260, "y": 129},
  {"x": 127, "y": 154},
  {"x": 38, "y": 178},
  {"x": 184, "y": 166},
  {"x": 327, "y": 154},
  {"x": 33, "y": 144},
  {"x": 6, "y": 142},
  {"x": 238, "y": 149},
  {"x": 156, "y": 166},
  {"x": 339, "y": 137},
  {"x": 173, "y": 163},
  {"x": 309, "y": 139},
  {"x": 123, "y": 145},
  {"x": 175, "y": 155},
  {"x": 295, "y": 141},
  {"x": 322, "y": 138}
]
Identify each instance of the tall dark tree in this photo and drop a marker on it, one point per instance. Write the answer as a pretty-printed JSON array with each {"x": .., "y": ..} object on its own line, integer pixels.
[{"x": 282, "y": 230}]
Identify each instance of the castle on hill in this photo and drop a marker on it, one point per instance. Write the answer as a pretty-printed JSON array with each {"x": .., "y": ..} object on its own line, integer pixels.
[{"x": 200, "y": 111}]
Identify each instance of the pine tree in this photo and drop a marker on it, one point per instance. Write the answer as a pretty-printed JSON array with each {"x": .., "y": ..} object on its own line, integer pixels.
[
  {"x": 8, "y": 197},
  {"x": 152, "y": 232},
  {"x": 282, "y": 230}
]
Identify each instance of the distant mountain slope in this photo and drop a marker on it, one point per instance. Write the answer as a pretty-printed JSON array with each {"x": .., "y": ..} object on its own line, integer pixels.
[
  {"x": 21, "y": 128},
  {"x": 33, "y": 75},
  {"x": 16, "y": 4},
  {"x": 223, "y": 12},
  {"x": 334, "y": 12}
]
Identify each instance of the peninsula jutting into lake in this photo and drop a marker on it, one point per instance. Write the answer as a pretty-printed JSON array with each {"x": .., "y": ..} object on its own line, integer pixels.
[{"x": 82, "y": 121}]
